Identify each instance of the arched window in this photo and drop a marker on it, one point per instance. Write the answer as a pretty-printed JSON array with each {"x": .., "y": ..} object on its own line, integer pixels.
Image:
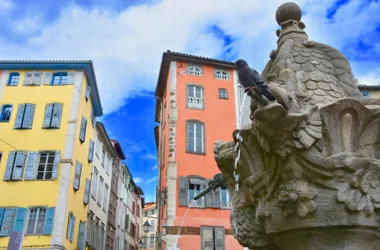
[
  {"x": 59, "y": 78},
  {"x": 6, "y": 112},
  {"x": 14, "y": 77},
  {"x": 195, "y": 96},
  {"x": 195, "y": 135},
  {"x": 221, "y": 74},
  {"x": 194, "y": 70}
]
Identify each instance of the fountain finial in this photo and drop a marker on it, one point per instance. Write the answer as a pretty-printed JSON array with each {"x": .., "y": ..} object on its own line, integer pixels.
[{"x": 288, "y": 11}]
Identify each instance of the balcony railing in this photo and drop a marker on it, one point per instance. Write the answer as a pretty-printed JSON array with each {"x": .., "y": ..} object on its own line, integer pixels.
[{"x": 194, "y": 102}]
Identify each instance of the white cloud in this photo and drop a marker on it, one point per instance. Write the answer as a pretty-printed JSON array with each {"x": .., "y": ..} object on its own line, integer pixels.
[
  {"x": 151, "y": 180},
  {"x": 138, "y": 180},
  {"x": 127, "y": 47},
  {"x": 5, "y": 5},
  {"x": 155, "y": 167},
  {"x": 150, "y": 156},
  {"x": 371, "y": 78}
]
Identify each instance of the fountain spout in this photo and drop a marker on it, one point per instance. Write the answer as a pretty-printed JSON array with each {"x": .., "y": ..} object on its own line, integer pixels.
[{"x": 216, "y": 182}]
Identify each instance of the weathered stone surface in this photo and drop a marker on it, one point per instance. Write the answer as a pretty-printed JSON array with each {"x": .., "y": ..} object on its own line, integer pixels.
[{"x": 323, "y": 85}]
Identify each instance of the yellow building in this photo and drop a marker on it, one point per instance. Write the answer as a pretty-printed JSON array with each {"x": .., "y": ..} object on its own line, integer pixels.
[
  {"x": 372, "y": 91},
  {"x": 46, "y": 148}
]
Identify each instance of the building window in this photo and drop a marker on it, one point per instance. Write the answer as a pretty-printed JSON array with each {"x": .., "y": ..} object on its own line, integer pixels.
[
  {"x": 225, "y": 199},
  {"x": 365, "y": 93},
  {"x": 145, "y": 242},
  {"x": 45, "y": 165},
  {"x": 108, "y": 165},
  {"x": 59, "y": 78},
  {"x": 83, "y": 128},
  {"x": 221, "y": 74},
  {"x": 94, "y": 183},
  {"x": 32, "y": 78},
  {"x": 195, "y": 97},
  {"x": 6, "y": 112},
  {"x": 36, "y": 221},
  {"x": 223, "y": 94},
  {"x": 195, "y": 137},
  {"x": 15, "y": 165},
  {"x": 212, "y": 238},
  {"x": 24, "y": 116},
  {"x": 151, "y": 240},
  {"x": 100, "y": 191},
  {"x": 194, "y": 70},
  {"x": 195, "y": 187},
  {"x": 14, "y": 78},
  {"x": 105, "y": 201},
  {"x": 70, "y": 227},
  {"x": 53, "y": 114},
  {"x": 103, "y": 157}
]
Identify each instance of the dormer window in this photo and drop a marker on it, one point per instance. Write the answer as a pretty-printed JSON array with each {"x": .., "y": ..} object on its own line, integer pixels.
[
  {"x": 194, "y": 70},
  {"x": 221, "y": 74}
]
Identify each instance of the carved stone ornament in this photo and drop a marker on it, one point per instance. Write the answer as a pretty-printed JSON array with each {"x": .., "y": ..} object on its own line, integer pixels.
[{"x": 309, "y": 178}]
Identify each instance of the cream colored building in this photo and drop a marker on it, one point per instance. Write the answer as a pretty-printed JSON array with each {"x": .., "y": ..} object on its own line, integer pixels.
[
  {"x": 150, "y": 214},
  {"x": 372, "y": 91},
  {"x": 100, "y": 188}
]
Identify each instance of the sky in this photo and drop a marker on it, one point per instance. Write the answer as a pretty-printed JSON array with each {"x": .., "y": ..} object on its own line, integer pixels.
[{"x": 126, "y": 38}]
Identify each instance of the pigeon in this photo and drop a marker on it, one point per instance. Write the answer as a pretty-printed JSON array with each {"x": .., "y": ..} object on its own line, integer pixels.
[{"x": 252, "y": 80}]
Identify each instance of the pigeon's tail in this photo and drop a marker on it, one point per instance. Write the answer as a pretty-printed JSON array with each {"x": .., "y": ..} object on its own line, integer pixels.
[{"x": 265, "y": 92}]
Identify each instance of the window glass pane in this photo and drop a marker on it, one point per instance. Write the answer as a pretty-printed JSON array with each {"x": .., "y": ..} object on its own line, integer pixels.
[
  {"x": 190, "y": 91},
  {"x": 198, "y": 92},
  {"x": 32, "y": 221}
]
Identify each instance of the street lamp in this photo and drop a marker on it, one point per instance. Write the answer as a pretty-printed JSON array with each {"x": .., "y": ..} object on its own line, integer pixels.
[
  {"x": 164, "y": 228},
  {"x": 140, "y": 244},
  {"x": 146, "y": 227}
]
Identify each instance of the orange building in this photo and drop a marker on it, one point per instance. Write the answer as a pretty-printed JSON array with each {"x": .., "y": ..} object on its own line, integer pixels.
[{"x": 197, "y": 102}]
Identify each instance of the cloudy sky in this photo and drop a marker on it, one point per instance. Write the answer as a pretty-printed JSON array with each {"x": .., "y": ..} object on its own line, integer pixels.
[{"x": 126, "y": 38}]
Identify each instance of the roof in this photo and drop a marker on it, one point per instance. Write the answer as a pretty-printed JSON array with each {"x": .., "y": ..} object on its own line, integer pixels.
[
  {"x": 100, "y": 128},
  {"x": 85, "y": 65},
  {"x": 170, "y": 56},
  {"x": 150, "y": 205},
  {"x": 139, "y": 190},
  {"x": 369, "y": 87},
  {"x": 118, "y": 149}
]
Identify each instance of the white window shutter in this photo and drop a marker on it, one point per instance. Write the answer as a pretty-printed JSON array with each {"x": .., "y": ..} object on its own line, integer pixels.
[
  {"x": 18, "y": 168},
  {"x": 37, "y": 77},
  {"x": 28, "y": 78},
  {"x": 56, "y": 116},
  {"x": 71, "y": 78},
  {"x": 9, "y": 168},
  {"x": 20, "y": 115},
  {"x": 31, "y": 166},
  {"x": 48, "y": 77},
  {"x": 28, "y": 116}
]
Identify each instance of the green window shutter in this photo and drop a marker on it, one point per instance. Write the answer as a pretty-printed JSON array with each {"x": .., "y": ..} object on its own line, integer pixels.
[
  {"x": 8, "y": 221},
  {"x": 48, "y": 77},
  {"x": 81, "y": 236},
  {"x": 87, "y": 188},
  {"x": 88, "y": 92},
  {"x": 28, "y": 116},
  {"x": 57, "y": 114},
  {"x": 91, "y": 151},
  {"x": 71, "y": 78},
  {"x": 28, "y": 78},
  {"x": 49, "y": 219},
  {"x": 31, "y": 166},
  {"x": 20, "y": 115},
  {"x": 57, "y": 159},
  {"x": 10, "y": 163},
  {"x": 19, "y": 164},
  {"x": 183, "y": 191},
  {"x": 219, "y": 238},
  {"x": 78, "y": 172},
  {"x": 48, "y": 116},
  {"x": 20, "y": 218},
  {"x": 37, "y": 77}
]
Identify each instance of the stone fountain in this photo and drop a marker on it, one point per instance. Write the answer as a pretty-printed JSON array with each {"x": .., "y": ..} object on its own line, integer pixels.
[{"x": 309, "y": 177}]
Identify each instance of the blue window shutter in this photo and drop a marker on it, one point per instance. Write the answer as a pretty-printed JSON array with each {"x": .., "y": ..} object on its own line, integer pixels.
[
  {"x": 2, "y": 210},
  {"x": 69, "y": 224},
  {"x": 20, "y": 219},
  {"x": 81, "y": 235},
  {"x": 57, "y": 114},
  {"x": 82, "y": 132},
  {"x": 20, "y": 115},
  {"x": 18, "y": 167},
  {"x": 87, "y": 189},
  {"x": 28, "y": 78},
  {"x": 47, "y": 78},
  {"x": 7, "y": 225},
  {"x": 37, "y": 77},
  {"x": 9, "y": 168},
  {"x": 49, "y": 219},
  {"x": 29, "y": 115},
  {"x": 57, "y": 159},
  {"x": 88, "y": 92},
  {"x": 71, "y": 78},
  {"x": 91, "y": 151},
  {"x": 48, "y": 115},
  {"x": 78, "y": 172},
  {"x": 72, "y": 228}
]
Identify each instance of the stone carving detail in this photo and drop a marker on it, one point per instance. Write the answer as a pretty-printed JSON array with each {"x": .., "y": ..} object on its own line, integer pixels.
[{"x": 317, "y": 166}]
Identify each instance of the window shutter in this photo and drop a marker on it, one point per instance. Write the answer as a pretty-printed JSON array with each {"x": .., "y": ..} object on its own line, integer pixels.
[
  {"x": 81, "y": 235},
  {"x": 87, "y": 192},
  {"x": 71, "y": 78},
  {"x": 216, "y": 201},
  {"x": 48, "y": 77},
  {"x": 72, "y": 228},
  {"x": 183, "y": 191},
  {"x": 219, "y": 238},
  {"x": 82, "y": 131},
  {"x": 49, "y": 219},
  {"x": 8, "y": 219},
  {"x": 9, "y": 168},
  {"x": 2, "y": 210},
  {"x": 18, "y": 168},
  {"x": 57, "y": 159},
  {"x": 78, "y": 171},
  {"x": 209, "y": 196},
  {"x": 57, "y": 114},
  {"x": 88, "y": 92},
  {"x": 29, "y": 115},
  {"x": 20, "y": 218},
  {"x": 20, "y": 115},
  {"x": 37, "y": 77},
  {"x": 126, "y": 222},
  {"x": 28, "y": 78},
  {"x": 207, "y": 238},
  {"x": 69, "y": 225},
  {"x": 48, "y": 114},
  {"x": 91, "y": 151},
  {"x": 30, "y": 166}
]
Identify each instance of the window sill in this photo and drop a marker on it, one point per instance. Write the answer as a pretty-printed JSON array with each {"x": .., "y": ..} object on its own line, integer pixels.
[
  {"x": 4, "y": 121},
  {"x": 22, "y": 128},
  {"x": 223, "y": 98},
  {"x": 195, "y": 153},
  {"x": 12, "y": 85},
  {"x": 201, "y": 109}
]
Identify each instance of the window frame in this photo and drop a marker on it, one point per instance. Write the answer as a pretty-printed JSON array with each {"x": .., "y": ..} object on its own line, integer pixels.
[
  {"x": 60, "y": 74},
  {"x": 223, "y": 97},
  {"x": 221, "y": 71},
  {"x": 45, "y": 165},
  {"x": 202, "y": 98},
  {"x": 203, "y": 137},
  {"x": 188, "y": 71},
  {"x": 36, "y": 220},
  {"x": 10, "y": 79},
  {"x": 228, "y": 198},
  {"x": 196, "y": 180},
  {"x": 3, "y": 108},
  {"x": 202, "y": 227}
]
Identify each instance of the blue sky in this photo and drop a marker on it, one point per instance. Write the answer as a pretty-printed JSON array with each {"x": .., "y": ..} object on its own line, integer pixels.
[{"x": 126, "y": 38}]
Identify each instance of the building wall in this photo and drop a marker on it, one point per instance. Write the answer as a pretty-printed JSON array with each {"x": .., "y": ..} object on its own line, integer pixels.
[{"x": 150, "y": 214}]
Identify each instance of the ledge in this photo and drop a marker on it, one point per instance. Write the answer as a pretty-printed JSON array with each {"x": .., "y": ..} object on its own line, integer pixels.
[{"x": 67, "y": 161}]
